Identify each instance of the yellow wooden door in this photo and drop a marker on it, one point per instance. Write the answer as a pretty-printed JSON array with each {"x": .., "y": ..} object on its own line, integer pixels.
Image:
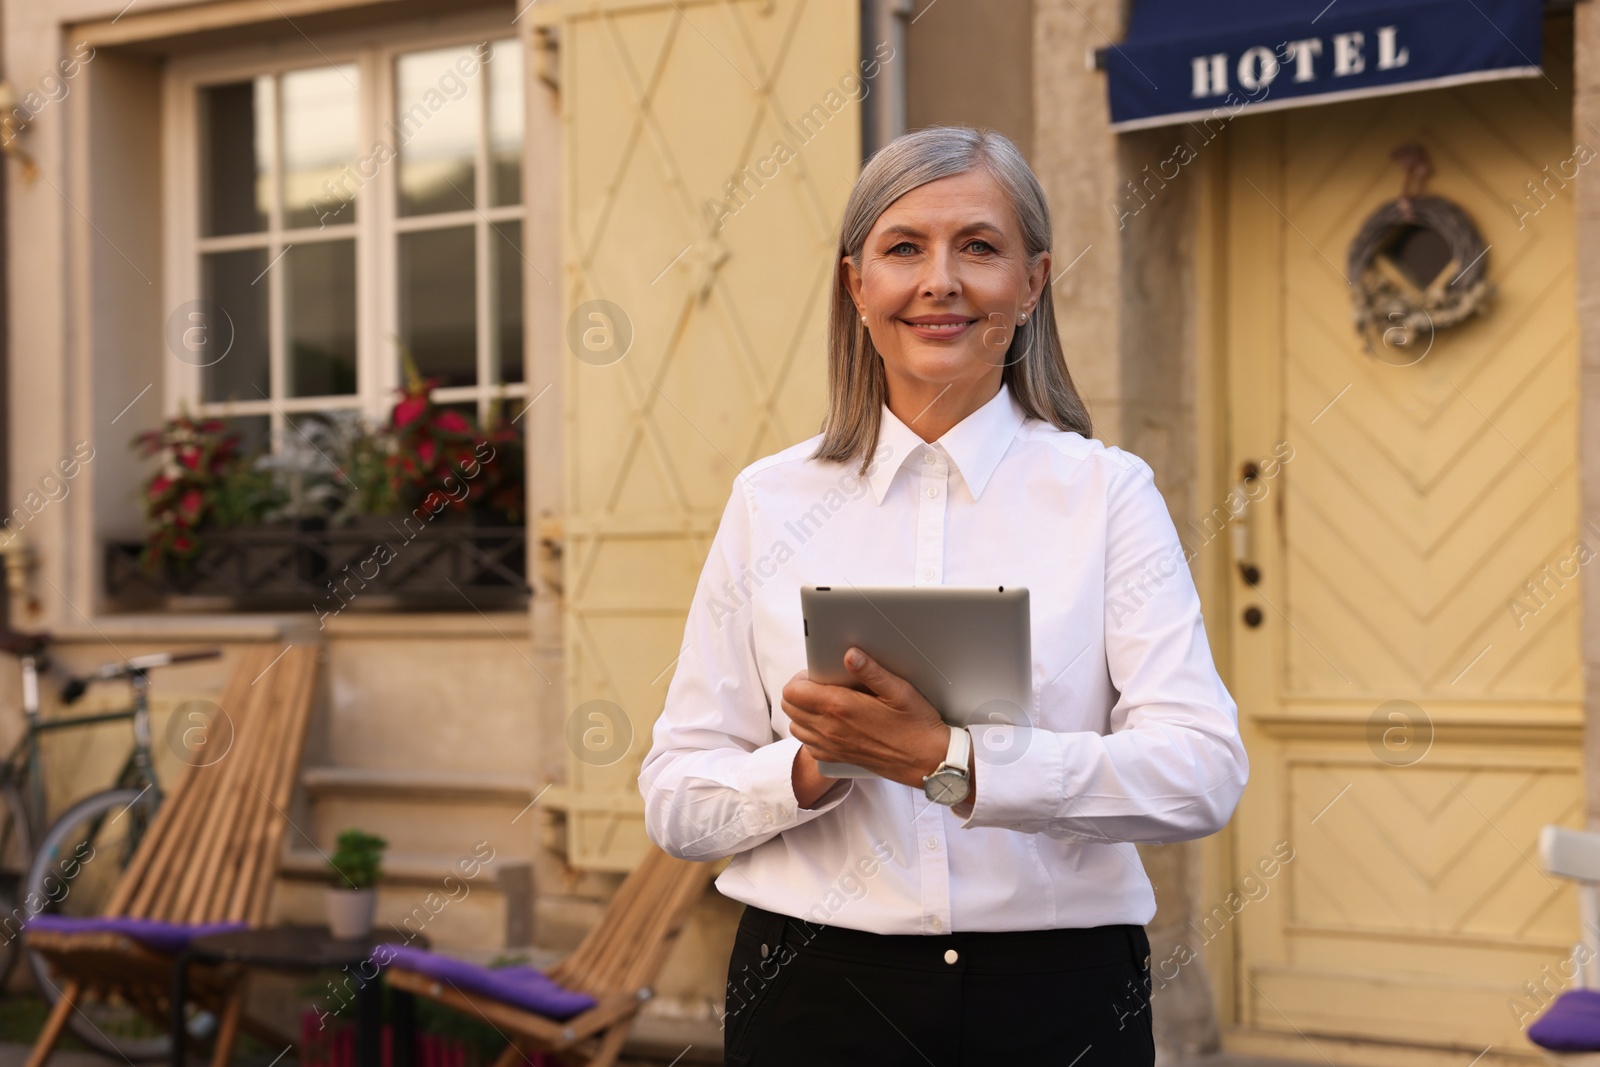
[
  {"x": 708, "y": 149},
  {"x": 1411, "y": 708}
]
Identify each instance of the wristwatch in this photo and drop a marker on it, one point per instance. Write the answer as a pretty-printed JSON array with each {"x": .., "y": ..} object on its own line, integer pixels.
[{"x": 949, "y": 783}]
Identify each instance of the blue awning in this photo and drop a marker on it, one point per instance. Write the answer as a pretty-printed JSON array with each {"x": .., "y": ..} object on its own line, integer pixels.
[{"x": 1187, "y": 59}]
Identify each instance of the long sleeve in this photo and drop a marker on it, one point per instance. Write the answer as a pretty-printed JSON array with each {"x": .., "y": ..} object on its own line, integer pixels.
[
  {"x": 718, "y": 780},
  {"x": 1171, "y": 766}
]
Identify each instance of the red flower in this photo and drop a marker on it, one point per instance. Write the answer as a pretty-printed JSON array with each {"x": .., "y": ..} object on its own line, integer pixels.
[
  {"x": 158, "y": 485},
  {"x": 189, "y": 456},
  {"x": 452, "y": 422},
  {"x": 409, "y": 410},
  {"x": 190, "y": 503}
]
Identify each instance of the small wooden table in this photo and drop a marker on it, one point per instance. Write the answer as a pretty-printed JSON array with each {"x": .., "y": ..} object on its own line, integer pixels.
[{"x": 306, "y": 948}]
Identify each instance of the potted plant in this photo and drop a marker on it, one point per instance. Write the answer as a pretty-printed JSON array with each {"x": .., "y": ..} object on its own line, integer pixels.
[{"x": 355, "y": 866}]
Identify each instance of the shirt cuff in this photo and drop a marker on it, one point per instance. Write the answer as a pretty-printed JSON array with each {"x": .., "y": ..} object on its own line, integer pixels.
[
  {"x": 766, "y": 782},
  {"x": 1019, "y": 774}
]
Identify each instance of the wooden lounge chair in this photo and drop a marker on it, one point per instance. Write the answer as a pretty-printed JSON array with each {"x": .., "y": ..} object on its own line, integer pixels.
[
  {"x": 615, "y": 964},
  {"x": 210, "y": 856}
]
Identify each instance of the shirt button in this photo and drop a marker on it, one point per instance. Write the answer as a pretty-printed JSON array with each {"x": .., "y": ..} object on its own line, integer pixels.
[
  {"x": 928, "y": 574},
  {"x": 927, "y": 457},
  {"x": 932, "y": 492},
  {"x": 933, "y": 843},
  {"x": 766, "y": 816},
  {"x": 950, "y": 956},
  {"x": 938, "y": 924}
]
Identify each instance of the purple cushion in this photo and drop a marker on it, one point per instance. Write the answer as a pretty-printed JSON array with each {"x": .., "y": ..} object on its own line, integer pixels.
[
  {"x": 1571, "y": 1024},
  {"x": 151, "y": 933},
  {"x": 522, "y": 986}
]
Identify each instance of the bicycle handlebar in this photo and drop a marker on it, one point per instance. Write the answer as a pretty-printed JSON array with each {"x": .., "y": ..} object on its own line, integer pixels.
[
  {"x": 75, "y": 687},
  {"x": 166, "y": 659},
  {"x": 21, "y": 643}
]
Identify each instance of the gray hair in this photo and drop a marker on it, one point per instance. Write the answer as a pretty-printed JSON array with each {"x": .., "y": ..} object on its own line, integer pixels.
[{"x": 1035, "y": 367}]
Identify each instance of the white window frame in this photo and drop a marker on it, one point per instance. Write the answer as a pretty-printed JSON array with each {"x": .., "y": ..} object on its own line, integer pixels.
[{"x": 376, "y": 228}]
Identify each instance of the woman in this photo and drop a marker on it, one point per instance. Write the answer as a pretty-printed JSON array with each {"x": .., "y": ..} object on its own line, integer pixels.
[{"x": 888, "y": 921}]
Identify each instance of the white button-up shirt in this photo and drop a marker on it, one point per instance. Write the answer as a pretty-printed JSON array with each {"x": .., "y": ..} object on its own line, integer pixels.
[{"x": 1133, "y": 736}]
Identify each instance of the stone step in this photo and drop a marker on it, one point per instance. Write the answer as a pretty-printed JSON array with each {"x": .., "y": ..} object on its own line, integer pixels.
[
  {"x": 407, "y": 783},
  {"x": 425, "y": 811},
  {"x": 483, "y": 910},
  {"x": 402, "y": 868}
]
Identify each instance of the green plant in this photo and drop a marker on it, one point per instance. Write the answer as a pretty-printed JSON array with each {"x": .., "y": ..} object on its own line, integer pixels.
[
  {"x": 364, "y": 463},
  {"x": 357, "y": 860},
  {"x": 246, "y": 493}
]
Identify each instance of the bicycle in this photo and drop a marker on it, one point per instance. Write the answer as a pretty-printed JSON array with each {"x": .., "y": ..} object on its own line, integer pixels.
[{"x": 80, "y": 858}]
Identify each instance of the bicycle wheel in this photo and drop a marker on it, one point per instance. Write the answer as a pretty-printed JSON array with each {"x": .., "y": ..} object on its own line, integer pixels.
[
  {"x": 16, "y": 850},
  {"x": 75, "y": 872}
]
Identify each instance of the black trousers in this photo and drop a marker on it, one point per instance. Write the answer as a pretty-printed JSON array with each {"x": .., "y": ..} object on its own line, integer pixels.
[{"x": 799, "y": 993}]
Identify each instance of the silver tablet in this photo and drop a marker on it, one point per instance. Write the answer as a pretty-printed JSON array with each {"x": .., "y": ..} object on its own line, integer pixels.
[{"x": 965, "y": 648}]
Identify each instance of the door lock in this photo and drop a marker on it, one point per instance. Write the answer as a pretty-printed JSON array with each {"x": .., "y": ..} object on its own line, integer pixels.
[{"x": 1244, "y": 549}]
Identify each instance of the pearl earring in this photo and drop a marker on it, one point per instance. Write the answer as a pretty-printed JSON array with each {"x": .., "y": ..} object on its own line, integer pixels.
[
  {"x": 863, "y": 318},
  {"x": 1024, "y": 319}
]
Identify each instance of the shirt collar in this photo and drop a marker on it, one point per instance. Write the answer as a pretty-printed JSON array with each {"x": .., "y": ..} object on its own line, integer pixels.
[{"x": 975, "y": 444}]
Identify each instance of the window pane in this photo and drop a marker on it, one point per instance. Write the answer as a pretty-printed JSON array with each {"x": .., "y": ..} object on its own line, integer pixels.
[
  {"x": 438, "y": 311},
  {"x": 505, "y": 123},
  {"x": 227, "y": 280},
  {"x": 505, "y": 253},
  {"x": 255, "y": 432},
  {"x": 319, "y": 145},
  {"x": 319, "y": 297},
  {"x": 233, "y": 157},
  {"x": 437, "y": 113}
]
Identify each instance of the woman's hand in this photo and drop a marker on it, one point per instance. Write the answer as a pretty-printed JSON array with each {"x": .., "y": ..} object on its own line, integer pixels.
[
  {"x": 891, "y": 730},
  {"x": 808, "y": 780}
]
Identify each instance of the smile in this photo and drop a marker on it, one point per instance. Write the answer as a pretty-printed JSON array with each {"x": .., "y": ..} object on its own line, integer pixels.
[{"x": 942, "y": 328}]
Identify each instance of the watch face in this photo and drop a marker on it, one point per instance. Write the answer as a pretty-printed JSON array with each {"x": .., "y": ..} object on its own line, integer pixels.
[{"x": 946, "y": 787}]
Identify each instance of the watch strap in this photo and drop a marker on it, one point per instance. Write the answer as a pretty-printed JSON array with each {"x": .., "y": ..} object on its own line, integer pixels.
[{"x": 959, "y": 754}]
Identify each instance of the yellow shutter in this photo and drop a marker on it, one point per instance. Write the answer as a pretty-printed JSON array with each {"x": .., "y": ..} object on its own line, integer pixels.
[{"x": 662, "y": 106}]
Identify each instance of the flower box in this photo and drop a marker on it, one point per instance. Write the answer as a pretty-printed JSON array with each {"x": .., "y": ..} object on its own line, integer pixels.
[
  {"x": 425, "y": 510},
  {"x": 377, "y": 563}
]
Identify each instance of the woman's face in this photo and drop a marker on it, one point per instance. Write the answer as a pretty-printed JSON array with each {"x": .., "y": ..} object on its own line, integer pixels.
[{"x": 944, "y": 277}]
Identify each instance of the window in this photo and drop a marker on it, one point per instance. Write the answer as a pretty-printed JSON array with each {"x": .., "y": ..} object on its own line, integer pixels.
[{"x": 333, "y": 213}]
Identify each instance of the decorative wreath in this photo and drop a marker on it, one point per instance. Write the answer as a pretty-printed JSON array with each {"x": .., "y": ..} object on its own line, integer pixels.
[{"x": 1388, "y": 304}]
